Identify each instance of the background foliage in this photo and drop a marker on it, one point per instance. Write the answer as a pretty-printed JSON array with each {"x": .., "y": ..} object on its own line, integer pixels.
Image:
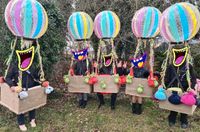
[{"x": 53, "y": 42}]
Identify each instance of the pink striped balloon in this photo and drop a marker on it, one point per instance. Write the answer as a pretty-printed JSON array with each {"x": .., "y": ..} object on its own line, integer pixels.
[
  {"x": 26, "y": 18},
  {"x": 145, "y": 22}
]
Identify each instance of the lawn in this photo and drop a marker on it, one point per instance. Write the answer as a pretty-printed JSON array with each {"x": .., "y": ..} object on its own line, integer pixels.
[{"x": 62, "y": 115}]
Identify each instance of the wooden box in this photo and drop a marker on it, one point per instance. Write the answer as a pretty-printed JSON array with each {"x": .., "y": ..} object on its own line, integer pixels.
[
  {"x": 36, "y": 98},
  {"x": 77, "y": 85},
  {"x": 181, "y": 108},
  {"x": 131, "y": 89},
  {"x": 111, "y": 86}
]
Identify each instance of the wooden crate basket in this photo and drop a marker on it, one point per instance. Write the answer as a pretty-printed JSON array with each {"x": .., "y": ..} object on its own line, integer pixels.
[
  {"x": 36, "y": 98},
  {"x": 181, "y": 108},
  {"x": 131, "y": 89},
  {"x": 111, "y": 86},
  {"x": 77, "y": 85}
]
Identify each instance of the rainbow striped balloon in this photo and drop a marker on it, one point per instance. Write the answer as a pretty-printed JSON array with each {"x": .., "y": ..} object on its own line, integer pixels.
[
  {"x": 180, "y": 22},
  {"x": 26, "y": 18},
  {"x": 106, "y": 25},
  {"x": 145, "y": 22},
  {"x": 80, "y": 25}
]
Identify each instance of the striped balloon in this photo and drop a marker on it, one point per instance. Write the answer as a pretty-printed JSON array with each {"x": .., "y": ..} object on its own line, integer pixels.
[
  {"x": 180, "y": 22},
  {"x": 145, "y": 22},
  {"x": 26, "y": 18},
  {"x": 106, "y": 25},
  {"x": 80, "y": 25}
]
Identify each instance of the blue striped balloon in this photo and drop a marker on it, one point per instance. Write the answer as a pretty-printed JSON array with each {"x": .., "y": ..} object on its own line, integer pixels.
[
  {"x": 80, "y": 25},
  {"x": 106, "y": 25}
]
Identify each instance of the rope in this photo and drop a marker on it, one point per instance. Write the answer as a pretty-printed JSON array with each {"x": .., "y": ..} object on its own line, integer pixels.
[
  {"x": 164, "y": 66},
  {"x": 98, "y": 55},
  {"x": 145, "y": 43},
  {"x": 138, "y": 47},
  {"x": 8, "y": 62},
  {"x": 151, "y": 55},
  {"x": 188, "y": 68},
  {"x": 71, "y": 64},
  {"x": 40, "y": 63},
  {"x": 113, "y": 50},
  {"x": 114, "y": 56},
  {"x": 20, "y": 79},
  {"x": 87, "y": 65}
]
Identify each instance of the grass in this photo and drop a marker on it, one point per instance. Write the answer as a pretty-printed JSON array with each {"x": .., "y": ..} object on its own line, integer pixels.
[{"x": 62, "y": 115}]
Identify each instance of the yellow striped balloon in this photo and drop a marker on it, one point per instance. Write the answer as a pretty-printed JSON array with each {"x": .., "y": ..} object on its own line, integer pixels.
[{"x": 80, "y": 25}]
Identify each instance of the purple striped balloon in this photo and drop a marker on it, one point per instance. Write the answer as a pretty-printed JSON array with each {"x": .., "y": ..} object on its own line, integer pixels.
[
  {"x": 26, "y": 18},
  {"x": 145, "y": 22}
]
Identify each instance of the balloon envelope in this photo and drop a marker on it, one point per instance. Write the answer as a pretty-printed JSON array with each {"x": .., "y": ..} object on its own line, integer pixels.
[
  {"x": 180, "y": 22},
  {"x": 106, "y": 25},
  {"x": 26, "y": 18},
  {"x": 145, "y": 22},
  {"x": 80, "y": 25}
]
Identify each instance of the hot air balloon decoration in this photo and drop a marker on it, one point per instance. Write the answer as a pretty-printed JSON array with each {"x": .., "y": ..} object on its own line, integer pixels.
[
  {"x": 80, "y": 28},
  {"x": 145, "y": 26},
  {"x": 28, "y": 21},
  {"x": 179, "y": 24},
  {"x": 106, "y": 28}
]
